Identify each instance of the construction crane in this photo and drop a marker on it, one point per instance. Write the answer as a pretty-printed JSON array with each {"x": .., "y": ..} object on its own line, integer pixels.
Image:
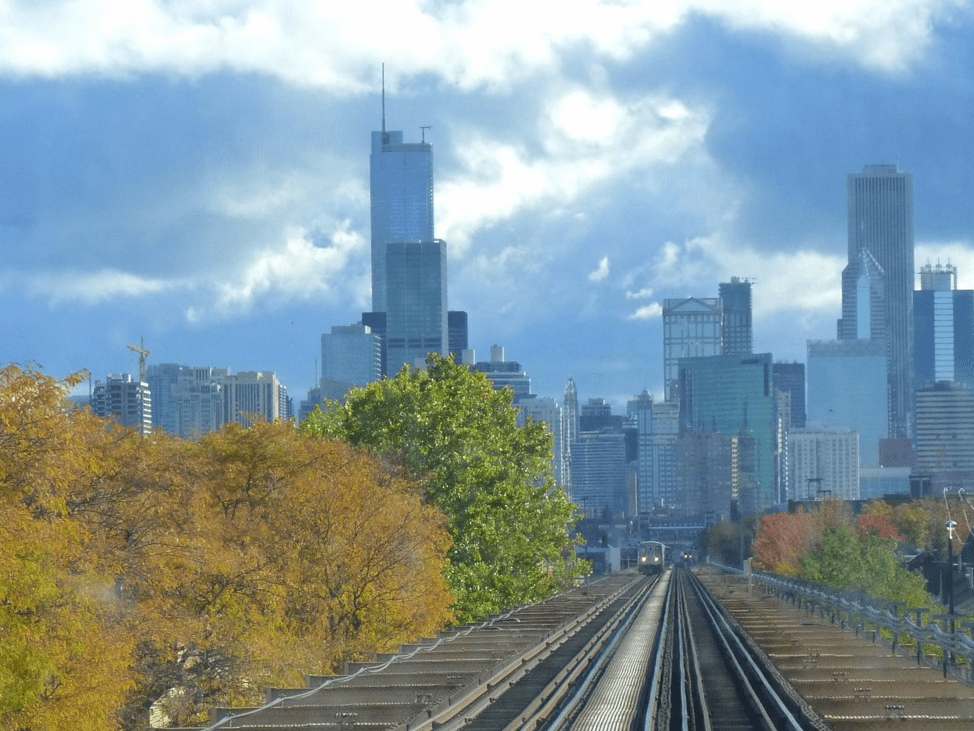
[{"x": 143, "y": 354}]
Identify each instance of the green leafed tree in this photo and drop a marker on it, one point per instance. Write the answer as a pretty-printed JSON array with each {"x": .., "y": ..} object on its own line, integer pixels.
[{"x": 448, "y": 427}]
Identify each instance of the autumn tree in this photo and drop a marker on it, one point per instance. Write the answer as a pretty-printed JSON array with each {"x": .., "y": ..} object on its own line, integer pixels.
[
  {"x": 260, "y": 555},
  {"x": 148, "y": 572},
  {"x": 448, "y": 427},
  {"x": 783, "y": 540},
  {"x": 64, "y": 648}
]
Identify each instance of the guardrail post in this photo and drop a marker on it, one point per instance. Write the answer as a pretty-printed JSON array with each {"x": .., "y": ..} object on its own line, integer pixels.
[{"x": 920, "y": 611}]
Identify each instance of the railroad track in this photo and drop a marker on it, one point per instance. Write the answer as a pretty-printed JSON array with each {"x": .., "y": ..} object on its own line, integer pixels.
[{"x": 627, "y": 653}]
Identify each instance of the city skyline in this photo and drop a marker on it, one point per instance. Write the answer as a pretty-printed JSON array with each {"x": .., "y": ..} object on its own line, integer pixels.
[{"x": 210, "y": 194}]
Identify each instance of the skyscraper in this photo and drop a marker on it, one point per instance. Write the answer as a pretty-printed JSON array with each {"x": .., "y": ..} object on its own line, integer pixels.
[
  {"x": 401, "y": 185},
  {"x": 945, "y": 435},
  {"x": 691, "y": 329},
  {"x": 569, "y": 432},
  {"x": 736, "y": 334},
  {"x": 943, "y": 329},
  {"x": 824, "y": 463},
  {"x": 416, "y": 310},
  {"x": 125, "y": 399},
  {"x": 790, "y": 378},
  {"x": 457, "y": 334},
  {"x": 351, "y": 354},
  {"x": 877, "y": 283},
  {"x": 657, "y": 426},
  {"x": 734, "y": 395},
  {"x": 847, "y": 389}
]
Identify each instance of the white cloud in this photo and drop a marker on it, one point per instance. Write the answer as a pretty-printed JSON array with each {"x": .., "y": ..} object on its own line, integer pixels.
[
  {"x": 640, "y": 295},
  {"x": 805, "y": 280},
  {"x": 886, "y": 35},
  {"x": 471, "y": 44},
  {"x": 601, "y": 272},
  {"x": 498, "y": 180},
  {"x": 651, "y": 311},
  {"x": 91, "y": 288},
  {"x": 296, "y": 270}
]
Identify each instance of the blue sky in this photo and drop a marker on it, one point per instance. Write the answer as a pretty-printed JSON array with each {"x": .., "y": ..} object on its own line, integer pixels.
[{"x": 195, "y": 172}]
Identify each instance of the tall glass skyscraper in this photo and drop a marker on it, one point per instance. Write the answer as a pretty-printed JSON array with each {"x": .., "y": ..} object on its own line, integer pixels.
[
  {"x": 691, "y": 329},
  {"x": 734, "y": 395},
  {"x": 877, "y": 283},
  {"x": 416, "y": 313},
  {"x": 401, "y": 183},
  {"x": 943, "y": 329}
]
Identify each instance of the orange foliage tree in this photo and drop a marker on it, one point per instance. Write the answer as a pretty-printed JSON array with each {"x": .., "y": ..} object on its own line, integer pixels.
[
  {"x": 152, "y": 573},
  {"x": 783, "y": 540}
]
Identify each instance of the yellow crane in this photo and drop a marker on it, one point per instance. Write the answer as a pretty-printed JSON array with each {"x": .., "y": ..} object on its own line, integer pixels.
[{"x": 143, "y": 354}]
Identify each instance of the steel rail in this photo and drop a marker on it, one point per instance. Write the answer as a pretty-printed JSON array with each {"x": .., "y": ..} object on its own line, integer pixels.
[
  {"x": 762, "y": 688},
  {"x": 699, "y": 718},
  {"x": 459, "y": 714},
  {"x": 575, "y": 696}
]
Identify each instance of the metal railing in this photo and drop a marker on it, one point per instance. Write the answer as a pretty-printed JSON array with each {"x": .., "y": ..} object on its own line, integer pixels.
[{"x": 889, "y": 622}]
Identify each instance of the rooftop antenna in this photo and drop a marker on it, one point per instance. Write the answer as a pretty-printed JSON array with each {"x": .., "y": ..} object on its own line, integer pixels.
[
  {"x": 423, "y": 129},
  {"x": 383, "y": 103}
]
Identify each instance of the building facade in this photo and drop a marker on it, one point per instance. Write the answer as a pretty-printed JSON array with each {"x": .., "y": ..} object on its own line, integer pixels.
[
  {"x": 736, "y": 334},
  {"x": 401, "y": 187},
  {"x": 569, "y": 431},
  {"x": 457, "y": 335},
  {"x": 199, "y": 401},
  {"x": 877, "y": 283},
  {"x": 598, "y": 483},
  {"x": 790, "y": 378},
  {"x": 124, "y": 399},
  {"x": 162, "y": 379},
  {"x": 504, "y": 373},
  {"x": 252, "y": 395},
  {"x": 823, "y": 464},
  {"x": 691, "y": 329},
  {"x": 351, "y": 354},
  {"x": 734, "y": 395},
  {"x": 416, "y": 306},
  {"x": 657, "y": 425},
  {"x": 945, "y": 435},
  {"x": 545, "y": 410},
  {"x": 847, "y": 389},
  {"x": 943, "y": 329}
]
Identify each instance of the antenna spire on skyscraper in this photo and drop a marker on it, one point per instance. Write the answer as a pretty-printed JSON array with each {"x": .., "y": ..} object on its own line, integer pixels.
[{"x": 383, "y": 103}]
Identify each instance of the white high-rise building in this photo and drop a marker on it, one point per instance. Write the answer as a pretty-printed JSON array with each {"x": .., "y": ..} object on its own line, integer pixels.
[
  {"x": 199, "y": 402},
  {"x": 544, "y": 409},
  {"x": 125, "y": 399},
  {"x": 823, "y": 464},
  {"x": 251, "y": 395}
]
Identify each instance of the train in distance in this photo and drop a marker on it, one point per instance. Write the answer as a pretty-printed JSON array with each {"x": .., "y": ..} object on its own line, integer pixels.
[{"x": 651, "y": 557}]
